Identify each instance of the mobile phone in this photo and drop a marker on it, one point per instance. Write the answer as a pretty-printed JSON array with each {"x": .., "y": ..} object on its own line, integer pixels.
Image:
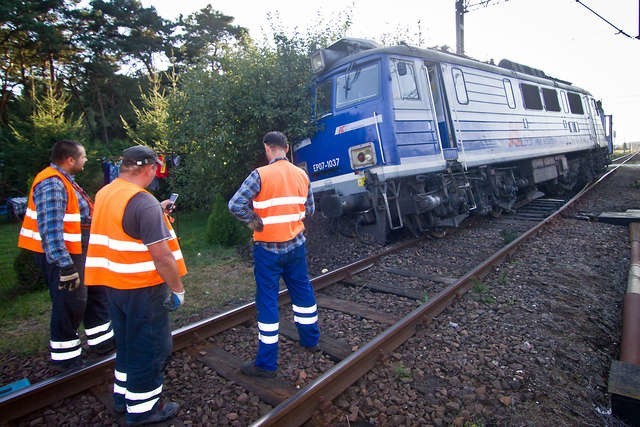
[{"x": 172, "y": 201}]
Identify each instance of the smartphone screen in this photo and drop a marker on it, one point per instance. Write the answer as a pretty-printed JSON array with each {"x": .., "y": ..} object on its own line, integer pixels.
[{"x": 172, "y": 201}]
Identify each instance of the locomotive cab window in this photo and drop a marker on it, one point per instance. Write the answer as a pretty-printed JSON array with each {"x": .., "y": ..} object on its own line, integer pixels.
[
  {"x": 357, "y": 84},
  {"x": 404, "y": 85},
  {"x": 550, "y": 97},
  {"x": 323, "y": 99},
  {"x": 531, "y": 97},
  {"x": 575, "y": 103}
]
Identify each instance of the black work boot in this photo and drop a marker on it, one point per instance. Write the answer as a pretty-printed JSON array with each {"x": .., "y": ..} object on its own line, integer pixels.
[
  {"x": 250, "y": 369},
  {"x": 161, "y": 412}
]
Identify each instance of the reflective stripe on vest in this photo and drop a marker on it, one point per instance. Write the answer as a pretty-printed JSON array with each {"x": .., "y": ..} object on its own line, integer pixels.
[
  {"x": 114, "y": 258},
  {"x": 29, "y": 237},
  {"x": 280, "y": 202}
]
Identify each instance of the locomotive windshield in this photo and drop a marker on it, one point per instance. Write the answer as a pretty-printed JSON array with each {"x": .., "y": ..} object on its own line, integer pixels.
[{"x": 357, "y": 84}]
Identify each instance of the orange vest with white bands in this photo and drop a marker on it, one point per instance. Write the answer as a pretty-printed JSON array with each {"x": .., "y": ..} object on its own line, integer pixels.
[
  {"x": 30, "y": 238},
  {"x": 280, "y": 203},
  {"x": 114, "y": 258}
]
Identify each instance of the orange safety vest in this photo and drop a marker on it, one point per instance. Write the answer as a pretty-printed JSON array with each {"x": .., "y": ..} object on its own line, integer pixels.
[
  {"x": 30, "y": 238},
  {"x": 114, "y": 258},
  {"x": 280, "y": 202}
]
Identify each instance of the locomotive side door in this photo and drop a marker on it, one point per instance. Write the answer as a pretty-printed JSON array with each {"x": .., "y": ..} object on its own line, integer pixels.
[
  {"x": 591, "y": 115},
  {"x": 438, "y": 102},
  {"x": 414, "y": 123}
]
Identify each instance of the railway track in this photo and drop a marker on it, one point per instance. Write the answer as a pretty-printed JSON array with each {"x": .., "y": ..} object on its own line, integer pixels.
[{"x": 293, "y": 405}]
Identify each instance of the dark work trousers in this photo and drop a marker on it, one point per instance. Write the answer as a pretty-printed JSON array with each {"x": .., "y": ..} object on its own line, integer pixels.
[
  {"x": 292, "y": 267},
  {"x": 70, "y": 308},
  {"x": 143, "y": 343}
]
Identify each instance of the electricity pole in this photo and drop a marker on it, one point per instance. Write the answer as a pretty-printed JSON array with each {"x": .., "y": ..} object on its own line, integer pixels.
[
  {"x": 462, "y": 7},
  {"x": 460, "y": 27}
]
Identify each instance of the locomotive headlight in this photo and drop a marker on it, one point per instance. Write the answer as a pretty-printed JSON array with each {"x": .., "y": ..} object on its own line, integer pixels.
[
  {"x": 362, "y": 156},
  {"x": 317, "y": 61}
]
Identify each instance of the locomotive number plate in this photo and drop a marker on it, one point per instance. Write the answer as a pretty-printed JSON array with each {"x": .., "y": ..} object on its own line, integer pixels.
[{"x": 326, "y": 165}]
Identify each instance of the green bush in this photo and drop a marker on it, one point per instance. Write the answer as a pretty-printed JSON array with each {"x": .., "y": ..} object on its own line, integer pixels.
[
  {"x": 223, "y": 228},
  {"x": 28, "y": 274}
]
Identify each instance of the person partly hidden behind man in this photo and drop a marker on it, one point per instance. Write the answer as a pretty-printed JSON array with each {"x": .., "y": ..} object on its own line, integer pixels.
[
  {"x": 134, "y": 252},
  {"x": 56, "y": 229},
  {"x": 273, "y": 200}
]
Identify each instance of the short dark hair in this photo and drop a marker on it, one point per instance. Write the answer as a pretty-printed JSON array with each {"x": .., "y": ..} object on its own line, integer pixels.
[
  {"x": 63, "y": 149},
  {"x": 275, "y": 138}
]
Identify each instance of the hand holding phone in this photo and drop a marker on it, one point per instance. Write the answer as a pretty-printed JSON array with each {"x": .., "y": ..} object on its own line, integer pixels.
[{"x": 172, "y": 201}]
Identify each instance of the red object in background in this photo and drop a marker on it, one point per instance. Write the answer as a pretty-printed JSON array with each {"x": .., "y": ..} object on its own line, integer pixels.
[{"x": 162, "y": 171}]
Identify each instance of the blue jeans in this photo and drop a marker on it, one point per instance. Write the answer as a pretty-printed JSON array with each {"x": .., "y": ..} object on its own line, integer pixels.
[
  {"x": 143, "y": 345},
  {"x": 292, "y": 267}
]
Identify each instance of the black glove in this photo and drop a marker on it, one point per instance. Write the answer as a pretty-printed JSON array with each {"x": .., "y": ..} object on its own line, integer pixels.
[
  {"x": 256, "y": 224},
  {"x": 69, "y": 278}
]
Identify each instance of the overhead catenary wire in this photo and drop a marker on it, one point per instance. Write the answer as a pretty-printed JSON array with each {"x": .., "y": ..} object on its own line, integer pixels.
[
  {"x": 482, "y": 3},
  {"x": 620, "y": 31}
]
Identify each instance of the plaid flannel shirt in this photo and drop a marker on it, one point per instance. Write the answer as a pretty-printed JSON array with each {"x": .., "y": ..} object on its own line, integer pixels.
[
  {"x": 241, "y": 204},
  {"x": 50, "y": 198}
]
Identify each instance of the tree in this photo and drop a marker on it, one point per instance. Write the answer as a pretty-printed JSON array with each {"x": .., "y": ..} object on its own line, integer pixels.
[
  {"x": 203, "y": 37},
  {"x": 33, "y": 39},
  {"x": 33, "y": 138},
  {"x": 152, "y": 119},
  {"x": 117, "y": 42},
  {"x": 217, "y": 119},
  {"x": 122, "y": 32}
]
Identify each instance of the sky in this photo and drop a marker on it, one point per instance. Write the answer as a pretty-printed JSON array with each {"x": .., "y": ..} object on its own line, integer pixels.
[{"x": 561, "y": 37}]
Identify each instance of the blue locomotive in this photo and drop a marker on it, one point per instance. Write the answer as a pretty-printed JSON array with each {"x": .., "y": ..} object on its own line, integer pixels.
[{"x": 419, "y": 138}]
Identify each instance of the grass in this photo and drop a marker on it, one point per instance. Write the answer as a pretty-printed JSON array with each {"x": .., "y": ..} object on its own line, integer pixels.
[
  {"x": 481, "y": 293},
  {"x": 9, "y": 250},
  {"x": 217, "y": 277},
  {"x": 402, "y": 372},
  {"x": 503, "y": 279},
  {"x": 24, "y": 319}
]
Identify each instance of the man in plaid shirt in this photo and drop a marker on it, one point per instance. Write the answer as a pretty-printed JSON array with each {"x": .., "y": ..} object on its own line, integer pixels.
[
  {"x": 56, "y": 229},
  {"x": 273, "y": 201}
]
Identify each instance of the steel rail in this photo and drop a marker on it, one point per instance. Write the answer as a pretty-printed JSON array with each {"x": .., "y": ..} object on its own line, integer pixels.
[
  {"x": 297, "y": 409},
  {"x": 630, "y": 341},
  {"x": 51, "y": 390},
  {"x": 54, "y": 389}
]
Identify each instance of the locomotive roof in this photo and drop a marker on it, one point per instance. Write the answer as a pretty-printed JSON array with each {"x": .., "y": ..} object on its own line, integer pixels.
[{"x": 363, "y": 48}]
